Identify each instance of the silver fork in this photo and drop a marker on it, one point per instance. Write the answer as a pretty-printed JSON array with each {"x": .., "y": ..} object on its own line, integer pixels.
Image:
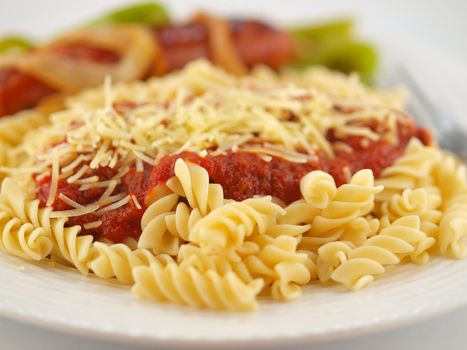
[{"x": 450, "y": 134}]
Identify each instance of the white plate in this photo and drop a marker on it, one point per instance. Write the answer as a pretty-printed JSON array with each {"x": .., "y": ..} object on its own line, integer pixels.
[{"x": 61, "y": 299}]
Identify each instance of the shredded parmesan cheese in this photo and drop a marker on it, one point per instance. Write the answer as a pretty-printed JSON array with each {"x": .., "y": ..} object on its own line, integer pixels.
[
  {"x": 69, "y": 201},
  {"x": 53, "y": 179},
  {"x": 136, "y": 202},
  {"x": 75, "y": 212},
  {"x": 115, "y": 205},
  {"x": 93, "y": 224}
]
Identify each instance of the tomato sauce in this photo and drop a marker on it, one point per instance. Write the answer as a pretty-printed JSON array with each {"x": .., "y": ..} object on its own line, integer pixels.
[{"x": 241, "y": 174}]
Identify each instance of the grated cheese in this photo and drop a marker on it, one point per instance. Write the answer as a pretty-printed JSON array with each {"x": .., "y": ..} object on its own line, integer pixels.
[
  {"x": 78, "y": 174},
  {"x": 205, "y": 110},
  {"x": 75, "y": 212},
  {"x": 136, "y": 202},
  {"x": 93, "y": 224},
  {"x": 99, "y": 184},
  {"x": 86, "y": 180},
  {"x": 55, "y": 171},
  {"x": 115, "y": 205},
  {"x": 69, "y": 201},
  {"x": 109, "y": 190}
]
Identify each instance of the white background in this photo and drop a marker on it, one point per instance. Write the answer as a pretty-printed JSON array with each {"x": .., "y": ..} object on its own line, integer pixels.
[{"x": 440, "y": 26}]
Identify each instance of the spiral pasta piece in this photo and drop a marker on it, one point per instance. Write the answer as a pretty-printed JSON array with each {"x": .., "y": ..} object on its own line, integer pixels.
[
  {"x": 350, "y": 202},
  {"x": 193, "y": 255},
  {"x": 192, "y": 182},
  {"x": 318, "y": 189},
  {"x": 117, "y": 260},
  {"x": 20, "y": 224},
  {"x": 47, "y": 236},
  {"x": 3, "y": 156},
  {"x": 24, "y": 240},
  {"x": 155, "y": 234},
  {"x": 13, "y": 128},
  {"x": 278, "y": 263},
  {"x": 298, "y": 212},
  {"x": 452, "y": 234},
  {"x": 423, "y": 202},
  {"x": 188, "y": 286},
  {"x": 69, "y": 246},
  {"x": 409, "y": 171},
  {"x": 225, "y": 228},
  {"x": 182, "y": 221},
  {"x": 450, "y": 176},
  {"x": 356, "y": 267}
]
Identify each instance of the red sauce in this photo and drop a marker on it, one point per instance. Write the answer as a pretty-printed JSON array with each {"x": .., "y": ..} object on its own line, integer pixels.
[
  {"x": 20, "y": 91},
  {"x": 85, "y": 51},
  {"x": 241, "y": 174}
]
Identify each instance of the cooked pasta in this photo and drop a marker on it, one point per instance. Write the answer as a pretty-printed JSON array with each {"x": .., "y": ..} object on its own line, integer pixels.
[
  {"x": 192, "y": 182},
  {"x": 13, "y": 128},
  {"x": 423, "y": 202},
  {"x": 214, "y": 191},
  {"x": 356, "y": 267},
  {"x": 225, "y": 228},
  {"x": 24, "y": 227},
  {"x": 279, "y": 264},
  {"x": 155, "y": 234},
  {"x": 449, "y": 176},
  {"x": 189, "y": 286},
  {"x": 348, "y": 203},
  {"x": 117, "y": 260},
  {"x": 409, "y": 171},
  {"x": 452, "y": 235}
]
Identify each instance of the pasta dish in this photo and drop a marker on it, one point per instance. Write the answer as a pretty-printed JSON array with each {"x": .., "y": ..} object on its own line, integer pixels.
[{"x": 215, "y": 190}]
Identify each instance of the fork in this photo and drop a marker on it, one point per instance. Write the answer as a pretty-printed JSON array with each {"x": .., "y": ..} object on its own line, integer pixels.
[{"x": 450, "y": 134}]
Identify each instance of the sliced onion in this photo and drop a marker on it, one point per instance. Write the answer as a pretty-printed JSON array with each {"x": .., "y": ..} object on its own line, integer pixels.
[{"x": 133, "y": 43}]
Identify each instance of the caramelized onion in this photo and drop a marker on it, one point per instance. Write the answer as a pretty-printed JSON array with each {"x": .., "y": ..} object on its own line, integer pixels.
[
  {"x": 222, "y": 48},
  {"x": 134, "y": 44}
]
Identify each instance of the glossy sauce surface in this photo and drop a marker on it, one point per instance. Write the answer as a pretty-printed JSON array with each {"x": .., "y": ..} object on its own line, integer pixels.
[{"x": 241, "y": 174}]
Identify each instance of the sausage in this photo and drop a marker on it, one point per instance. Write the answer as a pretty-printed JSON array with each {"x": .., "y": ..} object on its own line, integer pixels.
[
  {"x": 20, "y": 91},
  {"x": 259, "y": 43},
  {"x": 179, "y": 45},
  {"x": 253, "y": 41}
]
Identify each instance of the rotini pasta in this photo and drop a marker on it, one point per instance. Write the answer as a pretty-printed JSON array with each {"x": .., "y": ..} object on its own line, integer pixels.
[
  {"x": 452, "y": 234},
  {"x": 298, "y": 212},
  {"x": 225, "y": 228},
  {"x": 192, "y": 182},
  {"x": 155, "y": 234},
  {"x": 117, "y": 260},
  {"x": 318, "y": 189},
  {"x": 21, "y": 223},
  {"x": 278, "y": 263},
  {"x": 356, "y": 267},
  {"x": 409, "y": 171},
  {"x": 13, "y": 128},
  {"x": 449, "y": 176},
  {"x": 189, "y": 286},
  {"x": 40, "y": 234},
  {"x": 423, "y": 202},
  {"x": 350, "y": 202}
]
